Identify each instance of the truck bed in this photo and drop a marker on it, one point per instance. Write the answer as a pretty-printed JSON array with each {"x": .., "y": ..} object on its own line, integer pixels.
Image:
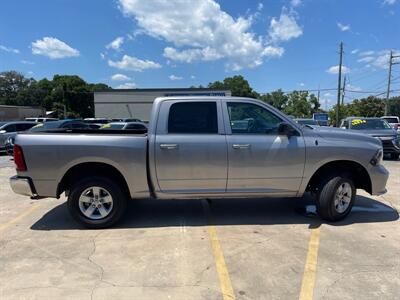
[{"x": 49, "y": 155}]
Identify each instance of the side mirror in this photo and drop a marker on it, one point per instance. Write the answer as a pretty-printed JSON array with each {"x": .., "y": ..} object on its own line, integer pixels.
[{"x": 286, "y": 129}]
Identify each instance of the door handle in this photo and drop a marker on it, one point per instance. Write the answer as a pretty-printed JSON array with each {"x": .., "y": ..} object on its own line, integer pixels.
[
  {"x": 241, "y": 146},
  {"x": 169, "y": 146}
]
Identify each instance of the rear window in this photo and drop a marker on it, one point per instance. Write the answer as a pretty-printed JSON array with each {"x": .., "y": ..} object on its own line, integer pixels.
[
  {"x": 391, "y": 120},
  {"x": 193, "y": 117}
]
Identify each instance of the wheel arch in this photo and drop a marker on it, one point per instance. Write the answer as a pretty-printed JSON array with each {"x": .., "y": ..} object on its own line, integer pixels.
[
  {"x": 355, "y": 170},
  {"x": 85, "y": 169}
]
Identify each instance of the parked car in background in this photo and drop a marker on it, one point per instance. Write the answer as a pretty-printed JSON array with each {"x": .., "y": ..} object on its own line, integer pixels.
[
  {"x": 307, "y": 122},
  {"x": 192, "y": 151},
  {"x": 41, "y": 120},
  {"x": 94, "y": 126},
  {"x": 393, "y": 121},
  {"x": 71, "y": 124},
  {"x": 131, "y": 120},
  {"x": 125, "y": 126},
  {"x": 378, "y": 128},
  {"x": 8, "y": 129}
]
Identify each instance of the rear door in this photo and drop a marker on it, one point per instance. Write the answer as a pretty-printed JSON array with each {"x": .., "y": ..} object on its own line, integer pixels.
[
  {"x": 259, "y": 159},
  {"x": 190, "y": 148}
]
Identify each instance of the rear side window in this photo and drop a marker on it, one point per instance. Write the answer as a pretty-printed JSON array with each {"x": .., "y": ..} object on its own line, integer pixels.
[
  {"x": 10, "y": 128},
  {"x": 193, "y": 117},
  {"x": 23, "y": 127}
]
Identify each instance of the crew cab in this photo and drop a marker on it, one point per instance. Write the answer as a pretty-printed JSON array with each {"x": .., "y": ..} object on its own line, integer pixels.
[{"x": 199, "y": 147}]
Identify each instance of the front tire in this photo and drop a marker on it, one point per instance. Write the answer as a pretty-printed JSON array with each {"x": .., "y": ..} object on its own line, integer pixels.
[
  {"x": 335, "y": 198},
  {"x": 97, "y": 202}
]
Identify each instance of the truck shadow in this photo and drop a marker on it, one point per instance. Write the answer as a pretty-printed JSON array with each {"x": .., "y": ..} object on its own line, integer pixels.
[{"x": 224, "y": 212}]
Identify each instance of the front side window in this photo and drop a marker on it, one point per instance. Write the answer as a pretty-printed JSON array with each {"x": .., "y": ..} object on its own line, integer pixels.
[
  {"x": 193, "y": 117},
  {"x": 247, "y": 118}
]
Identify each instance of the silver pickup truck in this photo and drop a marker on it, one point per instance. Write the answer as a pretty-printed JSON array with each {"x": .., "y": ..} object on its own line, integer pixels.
[{"x": 199, "y": 147}]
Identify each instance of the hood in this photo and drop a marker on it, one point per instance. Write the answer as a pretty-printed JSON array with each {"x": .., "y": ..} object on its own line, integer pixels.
[
  {"x": 344, "y": 134},
  {"x": 382, "y": 133}
]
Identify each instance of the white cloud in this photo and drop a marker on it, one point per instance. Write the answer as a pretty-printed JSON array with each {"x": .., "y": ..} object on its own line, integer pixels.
[
  {"x": 355, "y": 51},
  {"x": 343, "y": 27},
  {"x": 126, "y": 85},
  {"x": 191, "y": 55},
  {"x": 27, "y": 62},
  {"x": 192, "y": 77},
  {"x": 133, "y": 64},
  {"x": 366, "y": 59},
  {"x": 120, "y": 77},
  {"x": 389, "y": 2},
  {"x": 9, "y": 49},
  {"x": 295, "y": 3},
  {"x": 335, "y": 70},
  {"x": 260, "y": 6},
  {"x": 53, "y": 48},
  {"x": 353, "y": 87},
  {"x": 382, "y": 60},
  {"x": 284, "y": 29},
  {"x": 116, "y": 44},
  {"x": 379, "y": 59},
  {"x": 174, "y": 77},
  {"x": 102, "y": 55},
  {"x": 270, "y": 51},
  {"x": 198, "y": 31},
  {"x": 301, "y": 84},
  {"x": 367, "y": 53}
]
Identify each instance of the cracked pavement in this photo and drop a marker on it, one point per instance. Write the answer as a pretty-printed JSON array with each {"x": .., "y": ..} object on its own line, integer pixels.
[{"x": 162, "y": 250}]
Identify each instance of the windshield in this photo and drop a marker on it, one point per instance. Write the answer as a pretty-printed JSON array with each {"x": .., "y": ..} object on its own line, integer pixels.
[
  {"x": 113, "y": 126},
  {"x": 46, "y": 126},
  {"x": 369, "y": 124}
]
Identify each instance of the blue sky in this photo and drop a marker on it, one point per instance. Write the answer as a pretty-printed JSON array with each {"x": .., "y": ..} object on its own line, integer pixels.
[{"x": 288, "y": 44}]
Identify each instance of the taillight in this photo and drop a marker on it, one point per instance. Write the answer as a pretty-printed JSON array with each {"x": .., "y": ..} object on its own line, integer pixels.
[{"x": 19, "y": 158}]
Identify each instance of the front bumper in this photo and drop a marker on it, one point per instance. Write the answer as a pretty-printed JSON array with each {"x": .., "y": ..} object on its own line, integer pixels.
[
  {"x": 22, "y": 186},
  {"x": 379, "y": 176},
  {"x": 390, "y": 147}
]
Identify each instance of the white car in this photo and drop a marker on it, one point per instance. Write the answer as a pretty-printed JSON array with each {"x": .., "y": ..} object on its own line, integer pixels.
[{"x": 393, "y": 121}]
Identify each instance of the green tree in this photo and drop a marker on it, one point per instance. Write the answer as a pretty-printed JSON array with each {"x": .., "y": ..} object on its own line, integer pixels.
[
  {"x": 298, "y": 105},
  {"x": 277, "y": 99},
  {"x": 394, "y": 106},
  {"x": 12, "y": 83},
  {"x": 70, "y": 91},
  {"x": 239, "y": 86}
]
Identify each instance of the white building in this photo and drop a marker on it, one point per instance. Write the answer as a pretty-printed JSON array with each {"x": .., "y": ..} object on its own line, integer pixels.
[{"x": 137, "y": 103}]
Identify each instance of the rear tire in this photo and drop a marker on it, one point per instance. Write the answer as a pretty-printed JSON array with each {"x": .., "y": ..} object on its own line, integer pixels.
[
  {"x": 97, "y": 202},
  {"x": 335, "y": 198}
]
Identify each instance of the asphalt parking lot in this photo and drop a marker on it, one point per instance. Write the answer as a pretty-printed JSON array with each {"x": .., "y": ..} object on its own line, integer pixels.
[{"x": 226, "y": 249}]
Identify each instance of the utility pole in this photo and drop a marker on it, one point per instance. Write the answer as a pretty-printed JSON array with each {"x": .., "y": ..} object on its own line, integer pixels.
[
  {"x": 391, "y": 63},
  {"x": 344, "y": 88},
  {"x": 339, "y": 83}
]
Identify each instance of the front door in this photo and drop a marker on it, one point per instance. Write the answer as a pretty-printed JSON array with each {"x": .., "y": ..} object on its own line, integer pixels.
[
  {"x": 191, "y": 156},
  {"x": 261, "y": 160}
]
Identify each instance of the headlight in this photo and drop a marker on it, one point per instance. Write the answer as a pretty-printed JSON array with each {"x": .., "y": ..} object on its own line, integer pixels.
[{"x": 377, "y": 158}]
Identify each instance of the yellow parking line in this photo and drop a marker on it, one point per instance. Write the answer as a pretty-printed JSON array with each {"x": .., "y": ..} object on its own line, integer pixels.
[
  {"x": 222, "y": 270},
  {"x": 19, "y": 217},
  {"x": 307, "y": 286}
]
